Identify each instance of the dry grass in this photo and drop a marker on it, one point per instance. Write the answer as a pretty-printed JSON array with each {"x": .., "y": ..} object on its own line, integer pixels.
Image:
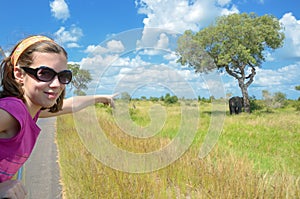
[{"x": 234, "y": 169}]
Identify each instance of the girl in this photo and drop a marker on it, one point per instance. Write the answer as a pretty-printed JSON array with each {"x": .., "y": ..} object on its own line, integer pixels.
[{"x": 34, "y": 78}]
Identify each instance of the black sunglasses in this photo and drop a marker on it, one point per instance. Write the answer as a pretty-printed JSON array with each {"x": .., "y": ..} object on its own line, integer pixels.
[{"x": 46, "y": 74}]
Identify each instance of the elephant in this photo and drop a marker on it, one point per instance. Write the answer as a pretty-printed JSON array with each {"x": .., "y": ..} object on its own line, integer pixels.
[{"x": 236, "y": 104}]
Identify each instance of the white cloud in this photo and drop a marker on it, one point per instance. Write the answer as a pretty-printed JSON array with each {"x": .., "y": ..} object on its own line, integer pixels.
[
  {"x": 163, "y": 41},
  {"x": 132, "y": 74},
  {"x": 268, "y": 56},
  {"x": 291, "y": 48},
  {"x": 172, "y": 56},
  {"x": 131, "y": 62},
  {"x": 115, "y": 46},
  {"x": 98, "y": 62},
  {"x": 112, "y": 46},
  {"x": 280, "y": 77},
  {"x": 169, "y": 17},
  {"x": 233, "y": 10},
  {"x": 69, "y": 37},
  {"x": 158, "y": 76},
  {"x": 162, "y": 44},
  {"x": 154, "y": 38},
  {"x": 94, "y": 50},
  {"x": 73, "y": 45},
  {"x": 283, "y": 79},
  {"x": 223, "y": 2},
  {"x": 60, "y": 10},
  {"x": 181, "y": 15}
]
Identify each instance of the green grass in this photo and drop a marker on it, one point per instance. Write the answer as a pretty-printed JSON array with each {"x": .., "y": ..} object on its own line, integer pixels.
[
  {"x": 272, "y": 141},
  {"x": 256, "y": 156}
]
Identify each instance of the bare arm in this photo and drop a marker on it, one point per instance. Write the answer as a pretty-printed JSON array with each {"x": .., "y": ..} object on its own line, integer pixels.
[
  {"x": 9, "y": 126},
  {"x": 78, "y": 103}
]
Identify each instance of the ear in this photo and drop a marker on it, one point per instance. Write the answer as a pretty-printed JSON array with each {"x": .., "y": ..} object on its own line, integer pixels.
[{"x": 19, "y": 75}]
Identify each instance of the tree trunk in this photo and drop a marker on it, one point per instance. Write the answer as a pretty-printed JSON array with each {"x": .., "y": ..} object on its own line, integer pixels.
[
  {"x": 245, "y": 97},
  {"x": 244, "y": 86}
]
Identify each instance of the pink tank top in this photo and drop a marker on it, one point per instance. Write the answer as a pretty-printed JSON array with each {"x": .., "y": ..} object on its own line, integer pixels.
[{"x": 16, "y": 150}]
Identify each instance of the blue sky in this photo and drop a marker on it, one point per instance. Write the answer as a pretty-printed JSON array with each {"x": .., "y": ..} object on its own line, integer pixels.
[{"x": 129, "y": 45}]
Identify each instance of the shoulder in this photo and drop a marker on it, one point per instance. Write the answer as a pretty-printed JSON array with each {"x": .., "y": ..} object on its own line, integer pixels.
[
  {"x": 12, "y": 104},
  {"x": 9, "y": 101},
  {"x": 13, "y": 114},
  {"x": 14, "y": 107}
]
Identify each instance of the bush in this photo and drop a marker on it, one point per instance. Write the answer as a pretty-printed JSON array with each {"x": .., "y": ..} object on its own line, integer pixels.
[
  {"x": 297, "y": 105},
  {"x": 277, "y": 100},
  {"x": 254, "y": 104},
  {"x": 170, "y": 99}
]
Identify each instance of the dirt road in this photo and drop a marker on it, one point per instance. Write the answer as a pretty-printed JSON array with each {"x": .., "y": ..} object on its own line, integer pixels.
[{"x": 41, "y": 173}]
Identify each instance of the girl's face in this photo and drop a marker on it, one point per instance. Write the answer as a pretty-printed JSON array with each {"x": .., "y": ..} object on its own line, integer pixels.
[{"x": 40, "y": 94}]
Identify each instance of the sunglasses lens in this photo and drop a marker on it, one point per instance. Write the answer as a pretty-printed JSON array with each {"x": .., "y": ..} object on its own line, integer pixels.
[
  {"x": 45, "y": 74},
  {"x": 65, "y": 77}
]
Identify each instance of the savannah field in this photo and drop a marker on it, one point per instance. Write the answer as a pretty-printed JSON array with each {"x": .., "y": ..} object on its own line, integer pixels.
[{"x": 256, "y": 155}]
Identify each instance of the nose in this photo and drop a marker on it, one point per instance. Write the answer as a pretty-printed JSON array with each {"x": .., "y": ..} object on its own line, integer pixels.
[{"x": 55, "y": 82}]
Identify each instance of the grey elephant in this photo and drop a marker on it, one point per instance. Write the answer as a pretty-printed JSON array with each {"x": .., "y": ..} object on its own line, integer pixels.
[{"x": 236, "y": 104}]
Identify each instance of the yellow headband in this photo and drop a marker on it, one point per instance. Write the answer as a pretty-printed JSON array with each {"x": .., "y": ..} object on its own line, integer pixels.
[{"x": 24, "y": 45}]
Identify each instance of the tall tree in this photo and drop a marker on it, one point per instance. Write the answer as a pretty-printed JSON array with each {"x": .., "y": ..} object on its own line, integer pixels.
[
  {"x": 81, "y": 78},
  {"x": 236, "y": 43}
]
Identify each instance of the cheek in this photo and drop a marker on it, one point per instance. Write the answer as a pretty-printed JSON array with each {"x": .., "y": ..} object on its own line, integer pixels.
[
  {"x": 30, "y": 81},
  {"x": 36, "y": 85},
  {"x": 32, "y": 86},
  {"x": 62, "y": 90}
]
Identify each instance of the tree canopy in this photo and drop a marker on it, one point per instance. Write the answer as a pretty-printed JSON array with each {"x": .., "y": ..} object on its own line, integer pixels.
[
  {"x": 236, "y": 43},
  {"x": 81, "y": 78}
]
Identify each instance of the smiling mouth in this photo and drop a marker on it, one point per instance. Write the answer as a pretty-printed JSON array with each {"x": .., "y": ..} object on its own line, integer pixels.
[{"x": 51, "y": 95}]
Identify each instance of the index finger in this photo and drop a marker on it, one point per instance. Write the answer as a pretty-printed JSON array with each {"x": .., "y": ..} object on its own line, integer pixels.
[{"x": 115, "y": 94}]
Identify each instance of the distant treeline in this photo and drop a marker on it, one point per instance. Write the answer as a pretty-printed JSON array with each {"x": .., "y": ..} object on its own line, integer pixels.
[{"x": 269, "y": 101}]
